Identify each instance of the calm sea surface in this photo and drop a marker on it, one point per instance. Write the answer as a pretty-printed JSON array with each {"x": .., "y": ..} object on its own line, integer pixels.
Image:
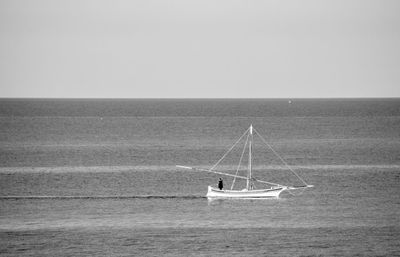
[{"x": 98, "y": 178}]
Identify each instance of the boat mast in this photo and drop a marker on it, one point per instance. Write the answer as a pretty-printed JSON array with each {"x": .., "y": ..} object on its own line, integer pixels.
[{"x": 249, "y": 184}]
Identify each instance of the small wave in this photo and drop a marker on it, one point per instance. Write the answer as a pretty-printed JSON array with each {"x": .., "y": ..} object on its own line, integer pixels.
[
  {"x": 152, "y": 168},
  {"x": 82, "y": 169},
  {"x": 89, "y": 197}
]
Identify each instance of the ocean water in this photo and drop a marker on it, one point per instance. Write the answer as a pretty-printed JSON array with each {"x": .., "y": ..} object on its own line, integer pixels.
[{"x": 98, "y": 177}]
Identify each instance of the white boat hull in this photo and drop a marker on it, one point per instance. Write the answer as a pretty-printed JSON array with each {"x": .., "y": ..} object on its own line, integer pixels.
[{"x": 273, "y": 192}]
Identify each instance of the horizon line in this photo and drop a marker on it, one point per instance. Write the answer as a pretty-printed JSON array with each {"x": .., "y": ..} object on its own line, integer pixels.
[{"x": 194, "y": 98}]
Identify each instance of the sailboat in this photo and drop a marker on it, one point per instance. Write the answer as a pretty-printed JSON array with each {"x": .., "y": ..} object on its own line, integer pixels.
[{"x": 249, "y": 192}]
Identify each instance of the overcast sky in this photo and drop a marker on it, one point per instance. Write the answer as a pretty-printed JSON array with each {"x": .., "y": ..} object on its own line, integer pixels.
[{"x": 199, "y": 48}]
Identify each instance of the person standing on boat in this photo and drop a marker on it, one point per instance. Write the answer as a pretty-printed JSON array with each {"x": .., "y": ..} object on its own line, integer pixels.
[{"x": 220, "y": 184}]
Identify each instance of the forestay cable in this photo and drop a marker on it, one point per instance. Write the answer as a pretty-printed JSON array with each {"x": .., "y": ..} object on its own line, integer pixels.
[{"x": 283, "y": 161}]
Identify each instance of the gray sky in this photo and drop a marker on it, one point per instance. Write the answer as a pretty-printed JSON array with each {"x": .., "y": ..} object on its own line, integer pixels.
[{"x": 201, "y": 48}]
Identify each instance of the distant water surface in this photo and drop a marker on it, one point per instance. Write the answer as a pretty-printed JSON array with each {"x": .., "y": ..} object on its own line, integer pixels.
[{"x": 98, "y": 177}]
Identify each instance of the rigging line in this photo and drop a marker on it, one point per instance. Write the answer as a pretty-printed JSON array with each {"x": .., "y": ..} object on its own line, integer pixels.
[
  {"x": 228, "y": 174},
  {"x": 230, "y": 149},
  {"x": 265, "y": 182},
  {"x": 287, "y": 165},
  {"x": 240, "y": 161}
]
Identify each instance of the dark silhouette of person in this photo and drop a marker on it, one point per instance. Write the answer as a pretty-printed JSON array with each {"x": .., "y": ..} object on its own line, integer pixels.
[{"x": 220, "y": 184}]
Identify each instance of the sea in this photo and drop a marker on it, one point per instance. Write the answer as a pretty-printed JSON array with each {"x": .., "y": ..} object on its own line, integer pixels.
[{"x": 98, "y": 177}]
